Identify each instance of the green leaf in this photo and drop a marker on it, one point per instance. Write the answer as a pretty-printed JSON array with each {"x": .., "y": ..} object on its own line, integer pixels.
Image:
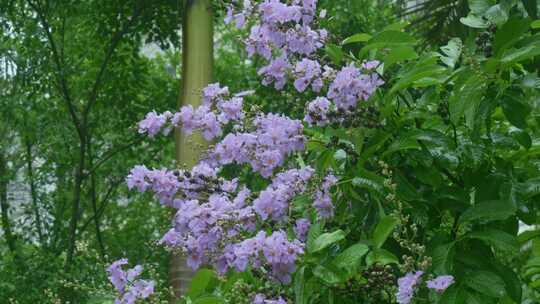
[
  {"x": 381, "y": 256},
  {"x": 521, "y": 54},
  {"x": 335, "y": 53},
  {"x": 101, "y": 300},
  {"x": 314, "y": 232},
  {"x": 399, "y": 54},
  {"x": 510, "y": 33},
  {"x": 451, "y": 52},
  {"x": 535, "y": 24},
  {"x": 497, "y": 238},
  {"x": 474, "y": 21},
  {"x": 511, "y": 281},
  {"x": 388, "y": 39},
  {"x": 396, "y": 26},
  {"x": 466, "y": 96},
  {"x": 383, "y": 229},
  {"x": 443, "y": 256},
  {"x": 523, "y": 138},
  {"x": 526, "y": 236},
  {"x": 300, "y": 286},
  {"x": 350, "y": 257},
  {"x": 486, "y": 283},
  {"x": 327, "y": 275},
  {"x": 208, "y": 300},
  {"x": 327, "y": 239},
  {"x": 515, "y": 111},
  {"x": 488, "y": 211},
  {"x": 531, "y": 6},
  {"x": 200, "y": 282},
  {"x": 360, "y": 37}
]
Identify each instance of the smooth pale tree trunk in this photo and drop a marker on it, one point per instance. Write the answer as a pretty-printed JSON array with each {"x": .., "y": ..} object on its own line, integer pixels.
[{"x": 197, "y": 62}]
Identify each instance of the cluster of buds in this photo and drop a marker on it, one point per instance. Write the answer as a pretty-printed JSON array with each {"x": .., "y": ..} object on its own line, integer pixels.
[
  {"x": 361, "y": 116},
  {"x": 485, "y": 39}
]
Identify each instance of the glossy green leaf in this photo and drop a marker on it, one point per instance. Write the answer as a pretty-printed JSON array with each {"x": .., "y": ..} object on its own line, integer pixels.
[
  {"x": 350, "y": 257},
  {"x": 360, "y": 37},
  {"x": 488, "y": 211},
  {"x": 327, "y": 239},
  {"x": 384, "y": 228},
  {"x": 486, "y": 282},
  {"x": 381, "y": 256}
]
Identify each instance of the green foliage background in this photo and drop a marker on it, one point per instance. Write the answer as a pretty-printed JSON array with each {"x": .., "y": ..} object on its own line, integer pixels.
[{"x": 459, "y": 130}]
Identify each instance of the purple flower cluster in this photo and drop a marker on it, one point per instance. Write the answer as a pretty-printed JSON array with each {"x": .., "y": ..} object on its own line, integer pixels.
[
  {"x": 351, "y": 85},
  {"x": 317, "y": 112},
  {"x": 281, "y": 31},
  {"x": 275, "y": 251},
  {"x": 163, "y": 182},
  {"x": 130, "y": 288},
  {"x": 217, "y": 110},
  {"x": 261, "y": 299},
  {"x": 440, "y": 283},
  {"x": 308, "y": 72},
  {"x": 274, "y": 138},
  {"x": 301, "y": 229},
  {"x": 273, "y": 202},
  {"x": 201, "y": 229},
  {"x": 153, "y": 123},
  {"x": 322, "y": 200},
  {"x": 407, "y": 286}
]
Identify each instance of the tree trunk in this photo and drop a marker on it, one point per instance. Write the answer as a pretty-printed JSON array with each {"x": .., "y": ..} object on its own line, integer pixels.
[
  {"x": 197, "y": 62},
  {"x": 33, "y": 192},
  {"x": 4, "y": 207}
]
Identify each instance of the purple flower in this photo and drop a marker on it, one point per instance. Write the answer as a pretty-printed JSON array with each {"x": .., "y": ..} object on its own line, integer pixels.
[
  {"x": 231, "y": 110},
  {"x": 273, "y": 202},
  {"x": 153, "y": 123},
  {"x": 406, "y": 287},
  {"x": 125, "y": 282},
  {"x": 301, "y": 229},
  {"x": 213, "y": 93},
  {"x": 350, "y": 86},
  {"x": 370, "y": 65},
  {"x": 308, "y": 72},
  {"x": 322, "y": 200},
  {"x": 275, "y": 72},
  {"x": 261, "y": 299},
  {"x": 440, "y": 283},
  {"x": 317, "y": 112},
  {"x": 137, "y": 178}
]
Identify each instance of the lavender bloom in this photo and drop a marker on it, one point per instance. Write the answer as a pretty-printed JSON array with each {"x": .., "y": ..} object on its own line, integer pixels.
[
  {"x": 303, "y": 40},
  {"x": 275, "y": 72},
  {"x": 278, "y": 252},
  {"x": 301, "y": 229},
  {"x": 137, "y": 178},
  {"x": 153, "y": 123},
  {"x": 308, "y": 72},
  {"x": 261, "y": 299},
  {"x": 266, "y": 148},
  {"x": 317, "y": 112},
  {"x": 231, "y": 110},
  {"x": 440, "y": 283},
  {"x": 273, "y": 202},
  {"x": 406, "y": 287},
  {"x": 350, "y": 86},
  {"x": 322, "y": 199},
  {"x": 213, "y": 93},
  {"x": 125, "y": 282},
  {"x": 370, "y": 65}
]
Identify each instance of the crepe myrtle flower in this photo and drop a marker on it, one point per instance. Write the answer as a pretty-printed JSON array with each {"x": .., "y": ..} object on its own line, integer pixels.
[
  {"x": 440, "y": 283},
  {"x": 407, "y": 286}
]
